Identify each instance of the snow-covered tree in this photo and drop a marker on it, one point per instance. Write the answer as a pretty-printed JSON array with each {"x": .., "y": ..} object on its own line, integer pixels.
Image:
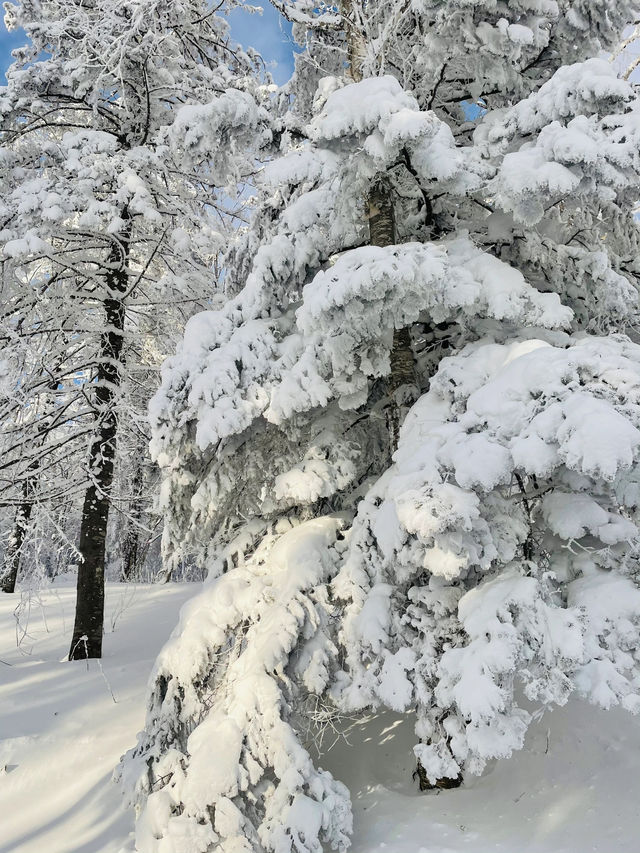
[
  {"x": 625, "y": 56},
  {"x": 458, "y": 561},
  {"x": 111, "y": 222}
]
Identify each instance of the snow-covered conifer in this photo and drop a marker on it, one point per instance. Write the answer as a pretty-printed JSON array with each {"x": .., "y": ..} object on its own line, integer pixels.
[{"x": 478, "y": 273}]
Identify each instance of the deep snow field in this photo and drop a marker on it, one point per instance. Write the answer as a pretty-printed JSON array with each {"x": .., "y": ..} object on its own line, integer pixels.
[{"x": 574, "y": 789}]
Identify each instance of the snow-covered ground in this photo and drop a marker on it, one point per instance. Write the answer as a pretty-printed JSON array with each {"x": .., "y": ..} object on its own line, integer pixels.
[
  {"x": 61, "y": 732},
  {"x": 572, "y": 790}
]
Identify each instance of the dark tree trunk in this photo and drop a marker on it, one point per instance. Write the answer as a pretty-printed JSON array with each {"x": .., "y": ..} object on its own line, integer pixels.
[
  {"x": 382, "y": 232},
  {"x": 14, "y": 548},
  {"x": 443, "y": 784},
  {"x": 87, "y": 632},
  {"x": 131, "y": 550}
]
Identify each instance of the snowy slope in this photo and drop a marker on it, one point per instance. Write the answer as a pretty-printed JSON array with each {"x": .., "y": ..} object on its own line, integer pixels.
[
  {"x": 572, "y": 790},
  {"x": 61, "y": 733}
]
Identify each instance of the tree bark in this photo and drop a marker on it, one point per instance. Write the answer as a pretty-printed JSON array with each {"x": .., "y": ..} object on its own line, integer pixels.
[
  {"x": 88, "y": 628},
  {"x": 14, "y": 548},
  {"x": 382, "y": 232},
  {"x": 444, "y": 784},
  {"x": 356, "y": 47},
  {"x": 131, "y": 550}
]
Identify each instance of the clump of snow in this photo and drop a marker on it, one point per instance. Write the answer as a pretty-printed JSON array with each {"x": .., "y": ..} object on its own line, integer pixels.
[
  {"x": 360, "y": 107},
  {"x": 562, "y": 141}
]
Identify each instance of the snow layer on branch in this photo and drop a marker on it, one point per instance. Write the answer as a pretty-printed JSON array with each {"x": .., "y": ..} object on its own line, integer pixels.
[
  {"x": 610, "y": 605},
  {"x": 230, "y": 771},
  {"x": 387, "y": 120},
  {"x": 361, "y": 107},
  {"x": 326, "y": 468},
  {"x": 232, "y": 118},
  {"x": 343, "y": 333},
  {"x": 576, "y": 137},
  {"x": 349, "y": 312},
  {"x": 587, "y": 156},
  {"x": 220, "y": 375},
  {"x": 582, "y": 89},
  {"x": 506, "y": 499}
]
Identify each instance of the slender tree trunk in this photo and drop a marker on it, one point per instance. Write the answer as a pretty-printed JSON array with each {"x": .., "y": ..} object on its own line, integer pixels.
[
  {"x": 87, "y": 633},
  {"x": 382, "y": 227},
  {"x": 14, "y": 547},
  {"x": 11, "y": 567},
  {"x": 131, "y": 551},
  {"x": 382, "y": 232}
]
